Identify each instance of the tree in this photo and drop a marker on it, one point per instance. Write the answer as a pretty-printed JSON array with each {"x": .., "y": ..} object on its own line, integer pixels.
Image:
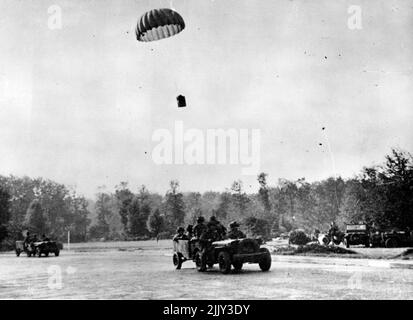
[
  {"x": 239, "y": 198},
  {"x": 4, "y": 206},
  {"x": 139, "y": 211},
  {"x": 174, "y": 206},
  {"x": 386, "y": 192},
  {"x": 79, "y": 218},
  {"x": 35, "y": 218},
  {"x": 192, "y": 206},
  {"x": 156, "y": 223},
  {"x": 124, "y": 197},
  {"x": 257, "y": 227},
  {"x": 4, "y": 213},
  {"x": 397, "y": 179},
  {"x": 224, "y": 206},
  {"x": 145, "y": 209},
  {"x": 264, "y": 193},
  {"x": 133, "y": 218},
  {"x": 102, "y": 229}
]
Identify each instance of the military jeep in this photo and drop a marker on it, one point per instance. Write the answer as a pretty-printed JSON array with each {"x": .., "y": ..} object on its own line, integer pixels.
[
  {"x": 38, "y": 248},
  {"x": 46, "y": 247},
  {"x": 232, "y": 252},
  {"x": 394, "y": 239},
  {"x": 356, "y": 234}
]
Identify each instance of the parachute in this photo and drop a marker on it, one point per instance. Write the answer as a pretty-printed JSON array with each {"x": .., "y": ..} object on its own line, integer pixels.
[{"x": 159, "y": 24}]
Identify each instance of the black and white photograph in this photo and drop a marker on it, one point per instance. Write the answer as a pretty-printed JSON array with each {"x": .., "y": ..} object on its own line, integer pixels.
[{"x": 208, "y": 150}]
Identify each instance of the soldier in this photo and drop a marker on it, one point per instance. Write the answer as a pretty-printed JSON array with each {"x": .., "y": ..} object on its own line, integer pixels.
[
  {"x": 200, "y": 227},
  {"x": 27, "y": 240},
  {"x": 234, "y": 232},
  {"x": 180, "y": 235},
  {"x": 44, "y": 238},
  {"x": 190, "y": 231},
  {"x": 216, "y": 231},
  {"x": 333, "y": 231}
]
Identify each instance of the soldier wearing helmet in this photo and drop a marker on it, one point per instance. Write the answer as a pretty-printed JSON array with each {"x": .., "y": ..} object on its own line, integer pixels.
[
  {"x": 215, "y": 230},
  {"x": 180, "y": 234},
  {"x": 200, "y": 227},
  {"x": 234, "y": 232}
]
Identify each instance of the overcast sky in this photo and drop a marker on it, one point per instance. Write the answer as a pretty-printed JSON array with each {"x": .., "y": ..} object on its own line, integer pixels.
[{"x": 79, "y": 104}]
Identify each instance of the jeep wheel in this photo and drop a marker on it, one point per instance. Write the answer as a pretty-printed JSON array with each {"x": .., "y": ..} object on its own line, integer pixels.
[
  {"x": 265, "y": 261},
  {"x": 56, "y": 253},
  {"x": 391, "y": 243},
  {"x": 224, "y": 261},
  {"x": 200, "y": 262},
  {"x": 237, "y": 266},
  {"x": 177, "y": 261}
]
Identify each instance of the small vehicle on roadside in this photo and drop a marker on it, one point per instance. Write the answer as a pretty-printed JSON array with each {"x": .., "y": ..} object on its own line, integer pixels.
[
  {"x": 357, "y": 234},
  {"x": 226, "y": 253},
  {"x": 394, "y": 239},
  {"x": 38, "y": 248}
]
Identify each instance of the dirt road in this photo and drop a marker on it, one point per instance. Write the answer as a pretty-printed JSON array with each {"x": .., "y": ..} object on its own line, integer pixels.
[{"x": 145, "y": 271}]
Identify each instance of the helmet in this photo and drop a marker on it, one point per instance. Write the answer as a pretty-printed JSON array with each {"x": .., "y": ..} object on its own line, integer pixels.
[
  {"x": 180, "y": 229},
  {"x": 200, "y": 219}
]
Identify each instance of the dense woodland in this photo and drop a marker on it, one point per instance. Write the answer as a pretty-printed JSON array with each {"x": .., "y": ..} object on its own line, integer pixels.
[{"x": 382, "y": 194}]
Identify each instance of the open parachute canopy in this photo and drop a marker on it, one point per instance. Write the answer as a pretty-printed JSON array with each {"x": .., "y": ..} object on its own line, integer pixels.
[{"x": 158, "y": 24}]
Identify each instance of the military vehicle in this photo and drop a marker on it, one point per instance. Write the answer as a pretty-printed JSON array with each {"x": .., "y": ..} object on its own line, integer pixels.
[
  {"x": 357, "y": 234},
  {"x": 38, "y": 248},
  {"x": 226, "y": 253},
  {"x": 233, "y": 253},
  {"x": 394, "y": 239}
]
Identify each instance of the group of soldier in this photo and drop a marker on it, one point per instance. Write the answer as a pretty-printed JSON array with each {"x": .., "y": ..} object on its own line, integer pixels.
[
  {"x": 32, "y": 239},
  {"x": 211, "y": 231}
]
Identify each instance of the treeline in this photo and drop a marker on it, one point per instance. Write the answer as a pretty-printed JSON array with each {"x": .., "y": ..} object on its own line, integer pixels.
[
  {"x": 381, "y": 194},
  {"x": 41, "y": 206}
]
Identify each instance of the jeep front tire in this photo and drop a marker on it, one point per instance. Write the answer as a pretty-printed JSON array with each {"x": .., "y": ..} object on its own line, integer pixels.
[{"x": 265, "y": 261}]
